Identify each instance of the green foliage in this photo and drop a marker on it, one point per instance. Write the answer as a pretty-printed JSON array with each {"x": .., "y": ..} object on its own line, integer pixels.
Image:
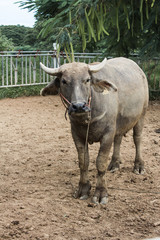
[
  {"x": 25, "y": 38},
  {"x": 5, "y": 43},
  {"x": 115, "y": 27},
  {"x": 125, "y": 21},
  {"x": 24, "y": 48},
  {"x": 152, "y": 70},
  {"x": 20, "y": 36}
]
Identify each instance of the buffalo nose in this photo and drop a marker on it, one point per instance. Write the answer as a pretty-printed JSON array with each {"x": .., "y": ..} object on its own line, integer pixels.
[{"x": 78, "y": 107}]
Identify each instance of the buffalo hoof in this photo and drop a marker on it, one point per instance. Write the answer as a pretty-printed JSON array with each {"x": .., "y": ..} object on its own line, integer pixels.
[
  {"x": 83, "y": 191},
  {"x": 100, "y": 196},
  {"x": 139, "y": 170},
  {"x": 139, "y": 167},
  {"x": 114, "y": 166}
]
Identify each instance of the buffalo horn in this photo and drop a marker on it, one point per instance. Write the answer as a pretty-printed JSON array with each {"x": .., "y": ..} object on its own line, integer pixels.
[
  {"x": 50, "y": 71},
  {"x": 97, "y": 67}
]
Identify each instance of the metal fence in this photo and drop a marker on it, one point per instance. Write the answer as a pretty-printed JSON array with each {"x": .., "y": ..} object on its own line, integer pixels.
[{"x": 22, "y": 68}]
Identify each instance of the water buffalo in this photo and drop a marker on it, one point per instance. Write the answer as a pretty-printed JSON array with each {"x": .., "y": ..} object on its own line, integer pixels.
[{"x": 104, "y": 101}]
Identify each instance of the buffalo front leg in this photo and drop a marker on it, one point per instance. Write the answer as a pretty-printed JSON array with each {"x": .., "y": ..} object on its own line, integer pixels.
[
  {"x": 83, "y": 157},
  {"x": 100, "y": 195}
]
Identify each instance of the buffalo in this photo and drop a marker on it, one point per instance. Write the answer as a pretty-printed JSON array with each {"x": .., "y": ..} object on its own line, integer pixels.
[{"x": 104, "y": 101}]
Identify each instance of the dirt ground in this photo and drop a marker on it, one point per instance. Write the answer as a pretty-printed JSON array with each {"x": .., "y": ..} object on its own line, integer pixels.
[{"x": 39, "y": 173}]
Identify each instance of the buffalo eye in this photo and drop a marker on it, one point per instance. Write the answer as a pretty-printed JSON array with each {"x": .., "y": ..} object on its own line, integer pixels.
[
  {"x": 64, "y": 81},
  {"x": 88, "y": 80}
]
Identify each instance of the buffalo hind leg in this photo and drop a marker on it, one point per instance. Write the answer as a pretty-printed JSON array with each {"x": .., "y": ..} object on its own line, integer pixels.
[
  {"x": 83, "y": 157},
  {"x": 100, "y": 194},
  {"x": 137, "y": 136},
  {"x": 115, "y": 162}
]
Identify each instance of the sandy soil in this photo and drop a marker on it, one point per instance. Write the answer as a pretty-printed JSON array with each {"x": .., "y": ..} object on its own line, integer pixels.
[{"x": 39, "y": 173}]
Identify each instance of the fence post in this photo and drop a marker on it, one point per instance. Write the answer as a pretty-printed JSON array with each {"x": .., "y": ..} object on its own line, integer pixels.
[
  {"x": 56, "y": 59},
  {"x": 34, "y": 70},
  {"x": 2, "y": 71},
  {"x": 16, "y": 72}
]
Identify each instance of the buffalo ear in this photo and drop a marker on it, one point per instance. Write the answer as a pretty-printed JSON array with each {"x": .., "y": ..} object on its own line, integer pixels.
[
  {"x": 103, "y": 86},
  {"x": 52, "y": 88}
]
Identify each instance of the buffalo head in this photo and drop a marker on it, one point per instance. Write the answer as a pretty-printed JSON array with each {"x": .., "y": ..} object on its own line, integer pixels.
[{"x": 74, "y": 80}]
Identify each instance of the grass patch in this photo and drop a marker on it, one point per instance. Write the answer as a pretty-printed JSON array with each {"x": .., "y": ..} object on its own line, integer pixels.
[{"x": 14, "y": 92}]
